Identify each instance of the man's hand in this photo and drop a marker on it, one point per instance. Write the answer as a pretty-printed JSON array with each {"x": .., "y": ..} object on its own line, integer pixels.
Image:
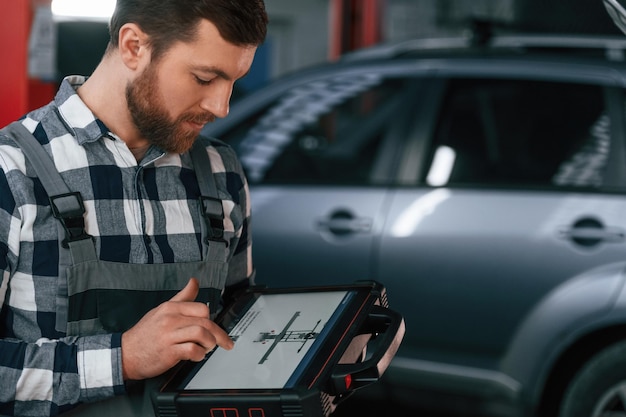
[{"x": 176, "y": 330}]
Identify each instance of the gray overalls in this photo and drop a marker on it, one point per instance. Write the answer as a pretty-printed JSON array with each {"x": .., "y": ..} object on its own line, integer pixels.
[{"x": 97, "y": 296}]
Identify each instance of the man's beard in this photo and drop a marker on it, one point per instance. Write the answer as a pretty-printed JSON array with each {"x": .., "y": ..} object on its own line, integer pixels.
[{"x": 152, "y": 119}]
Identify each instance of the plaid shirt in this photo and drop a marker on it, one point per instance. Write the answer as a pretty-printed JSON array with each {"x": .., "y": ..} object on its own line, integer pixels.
[{"x": 143, "y": 212}]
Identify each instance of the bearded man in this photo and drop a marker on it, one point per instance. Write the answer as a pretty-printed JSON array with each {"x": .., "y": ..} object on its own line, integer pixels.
[{"x": 116, "y": 239}]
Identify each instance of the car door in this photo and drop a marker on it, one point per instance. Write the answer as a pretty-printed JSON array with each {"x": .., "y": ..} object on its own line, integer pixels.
[
  {"x": 318, "y": 156},
  {"x": 513, "y": 196}
]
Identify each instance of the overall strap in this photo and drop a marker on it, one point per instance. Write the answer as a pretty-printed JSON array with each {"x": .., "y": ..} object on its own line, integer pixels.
[
  {"x": 66, "y": 206},
  {"x": 213, "y": 241},
  {"x": 42, "y": 164}
]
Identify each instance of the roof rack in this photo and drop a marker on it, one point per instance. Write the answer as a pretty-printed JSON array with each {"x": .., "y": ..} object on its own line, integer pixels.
[{"x": 614, "y": 47}]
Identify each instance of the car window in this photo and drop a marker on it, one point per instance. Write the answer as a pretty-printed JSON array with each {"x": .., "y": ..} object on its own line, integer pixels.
[
  {"x": 326, "y": 131},
  {"x": 515, "y": 132}
]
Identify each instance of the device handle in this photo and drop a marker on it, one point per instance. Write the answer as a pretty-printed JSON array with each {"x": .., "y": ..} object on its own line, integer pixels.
[{"x": 381, "y": 320}]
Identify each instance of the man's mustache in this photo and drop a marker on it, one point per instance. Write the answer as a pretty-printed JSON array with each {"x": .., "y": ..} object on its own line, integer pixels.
[{"x": 200, "y": 118}]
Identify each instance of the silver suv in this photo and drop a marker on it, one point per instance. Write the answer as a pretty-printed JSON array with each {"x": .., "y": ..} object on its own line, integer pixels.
[{"x": 482, "y": 180}]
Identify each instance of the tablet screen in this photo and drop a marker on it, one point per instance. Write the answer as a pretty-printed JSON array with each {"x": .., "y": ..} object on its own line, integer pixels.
[{"x": 274, "y": 339}]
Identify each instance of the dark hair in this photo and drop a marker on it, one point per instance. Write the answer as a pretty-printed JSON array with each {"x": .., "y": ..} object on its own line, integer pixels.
[{"x": 240, "y": 22}]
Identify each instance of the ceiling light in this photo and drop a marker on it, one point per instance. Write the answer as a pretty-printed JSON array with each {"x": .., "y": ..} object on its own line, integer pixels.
[{"x": 88, "y": 9}]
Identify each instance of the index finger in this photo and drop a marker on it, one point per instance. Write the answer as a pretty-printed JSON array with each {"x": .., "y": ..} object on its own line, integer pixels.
[{"x": 222, "y": 338}]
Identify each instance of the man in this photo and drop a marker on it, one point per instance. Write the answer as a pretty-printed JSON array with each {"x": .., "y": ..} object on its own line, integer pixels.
[{"x": 119, "y": 288}]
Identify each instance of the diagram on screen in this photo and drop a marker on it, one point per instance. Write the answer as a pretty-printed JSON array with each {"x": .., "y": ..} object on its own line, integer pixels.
[
  {"x": 286, "y": 335},
  {"x": 271, "y": 338}
]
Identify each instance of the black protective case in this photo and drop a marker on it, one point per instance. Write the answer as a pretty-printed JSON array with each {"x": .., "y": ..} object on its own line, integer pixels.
[{"x": 336, "y": 367}]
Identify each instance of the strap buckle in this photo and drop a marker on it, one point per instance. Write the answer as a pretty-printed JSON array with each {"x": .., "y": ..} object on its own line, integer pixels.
[
  {"x": 213, "y": 212},
  {"x": 69, "y": 210}
]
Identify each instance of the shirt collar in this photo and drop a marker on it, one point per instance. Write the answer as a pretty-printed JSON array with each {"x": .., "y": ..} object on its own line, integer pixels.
[{"x": 75, "y": 114}]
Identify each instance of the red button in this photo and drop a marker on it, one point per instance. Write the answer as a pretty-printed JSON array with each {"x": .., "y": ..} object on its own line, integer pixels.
[{"x": 348, "y": 381}]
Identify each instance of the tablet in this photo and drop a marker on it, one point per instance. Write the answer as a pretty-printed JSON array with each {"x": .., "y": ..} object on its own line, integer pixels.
[
  {"x": 302, "y": 347},
  {"x": 275, "y": 337}
]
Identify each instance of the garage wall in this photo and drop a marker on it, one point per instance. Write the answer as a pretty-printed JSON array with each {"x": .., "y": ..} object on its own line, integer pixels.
[
  {"x": 407, "y": 19},
  {"x": 299, "y": 29},
  {"x": 297, "y": 33}
]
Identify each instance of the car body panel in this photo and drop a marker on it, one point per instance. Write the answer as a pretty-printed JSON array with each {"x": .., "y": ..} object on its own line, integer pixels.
[
  {"x": 574, "y": 309},
  {"x": 496, "y": 275},
  {"x": 338, "y": 235},
  {"x": 438, "y": 245}
]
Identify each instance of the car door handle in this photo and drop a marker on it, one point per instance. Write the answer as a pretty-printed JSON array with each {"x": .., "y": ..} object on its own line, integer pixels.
[
  {"x": 590, "y": 231},
  {"x": 343, "y": 222}
]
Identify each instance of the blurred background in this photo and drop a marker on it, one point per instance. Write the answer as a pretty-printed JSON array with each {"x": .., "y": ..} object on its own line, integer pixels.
[
  {"x": 486, "y": 248},
  {"x": 48, "y": 39}
]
